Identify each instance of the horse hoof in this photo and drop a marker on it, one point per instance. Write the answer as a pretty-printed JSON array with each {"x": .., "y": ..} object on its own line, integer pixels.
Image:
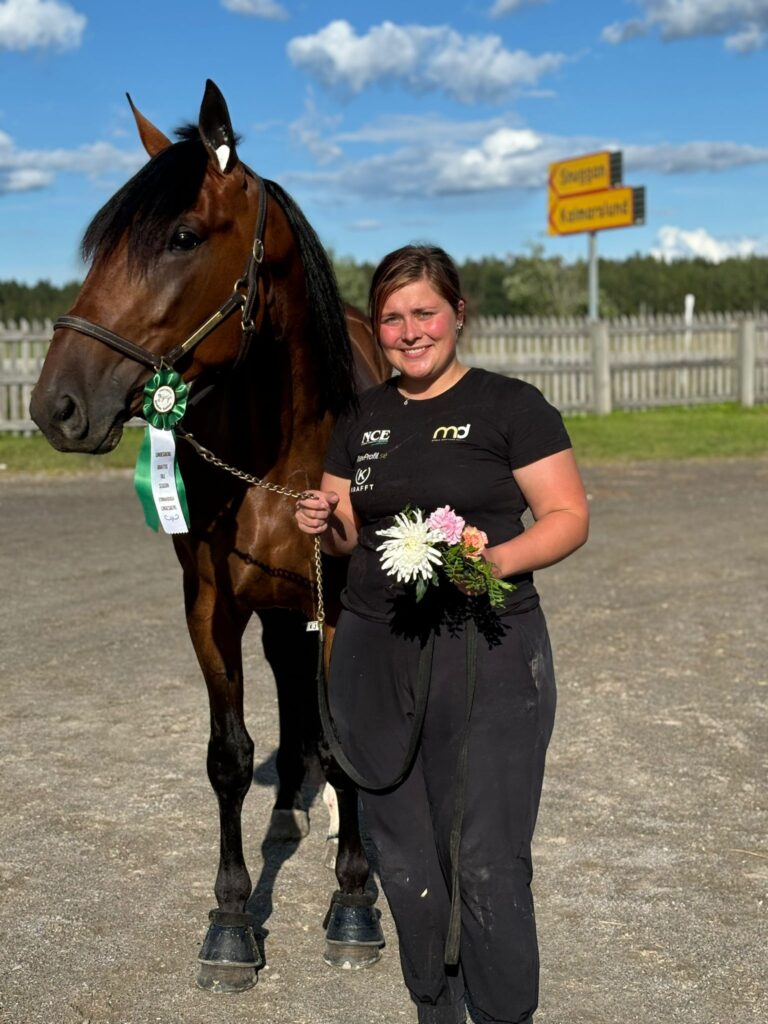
[
  {"x": 353, "y": 936},
  {"x": 350, "y": 957},
  {"x": 288, "y": 824},
  {"x": 225, "y": 978},
  {"x": 229, "y": 957},
  {"x": 331, "y": 852}
]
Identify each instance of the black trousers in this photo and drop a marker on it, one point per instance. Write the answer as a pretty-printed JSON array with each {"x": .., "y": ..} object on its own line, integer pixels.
[{"x": 372, "y": 680}]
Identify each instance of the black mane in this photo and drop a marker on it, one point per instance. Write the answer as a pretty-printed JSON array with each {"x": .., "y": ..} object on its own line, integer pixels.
[{"x": 147, "y": 205}]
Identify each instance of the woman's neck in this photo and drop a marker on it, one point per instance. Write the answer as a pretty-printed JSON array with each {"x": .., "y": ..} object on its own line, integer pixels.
[{"x": 417, "y": 388}]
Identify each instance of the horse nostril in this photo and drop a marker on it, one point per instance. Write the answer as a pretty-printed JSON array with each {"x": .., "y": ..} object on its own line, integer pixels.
[
  {"x": 64, "y": 409},
  {"x": 70, "y": 417}
]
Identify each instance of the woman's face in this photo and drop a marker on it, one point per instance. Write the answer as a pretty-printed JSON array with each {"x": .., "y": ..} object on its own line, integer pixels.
[{"x": 417, "y": 330}]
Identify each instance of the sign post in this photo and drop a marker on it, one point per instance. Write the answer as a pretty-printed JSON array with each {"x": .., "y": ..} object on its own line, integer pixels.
[{"x": 586, "y": 194}]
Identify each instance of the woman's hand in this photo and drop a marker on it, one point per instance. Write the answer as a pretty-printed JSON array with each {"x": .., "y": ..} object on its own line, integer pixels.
[{"x": 314, "y": 509}]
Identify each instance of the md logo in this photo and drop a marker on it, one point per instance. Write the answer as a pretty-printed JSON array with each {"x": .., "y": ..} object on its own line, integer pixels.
[
  {"x": 451, "y": 433},
  {"x": 376, "y": 437}
]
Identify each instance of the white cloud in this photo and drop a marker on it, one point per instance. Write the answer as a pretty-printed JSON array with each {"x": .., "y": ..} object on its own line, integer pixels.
[
  {"x": 687, "y": 157},
  {"x": 502, "y": 7},
  {"x": 676, "y": 243},
  {"x": 259, "y": 8},
  {"x": 743, "y": 22},
  {"x": 25, "y": 24},
  {"x": 752, "y": 38},
  {"x": 26, "y": 170},
  {"x": 420, "y": 129},
  {"x": 430, "y": 155},
  {"x": 312, "y": 131},
  {"x": 366, "y": 225},
  {"x": 25, "y": 179},
  {"x": 419, "y": 57},
  {"x": 623, "y": 31}
]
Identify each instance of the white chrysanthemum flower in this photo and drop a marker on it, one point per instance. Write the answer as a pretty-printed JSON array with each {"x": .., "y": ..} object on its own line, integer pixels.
[{"x": 409, "y": 553}]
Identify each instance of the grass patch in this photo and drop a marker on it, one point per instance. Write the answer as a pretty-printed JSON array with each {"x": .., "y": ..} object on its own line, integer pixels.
[
  {"x": 704, "y": 431},
  {"x": 35, "y": 455},
  {"x": 677, "y": 432}
]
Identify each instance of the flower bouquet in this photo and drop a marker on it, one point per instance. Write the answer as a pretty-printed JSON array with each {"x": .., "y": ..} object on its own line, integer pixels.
[{"x": 418, "y": 548}]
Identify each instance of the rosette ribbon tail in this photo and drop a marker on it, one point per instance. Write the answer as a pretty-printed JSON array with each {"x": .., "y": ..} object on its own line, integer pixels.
[{"x": 157, "y": 479}]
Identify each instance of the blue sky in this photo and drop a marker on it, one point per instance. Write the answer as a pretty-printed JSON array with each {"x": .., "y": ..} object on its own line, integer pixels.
[{"x": 399, "y": 121}]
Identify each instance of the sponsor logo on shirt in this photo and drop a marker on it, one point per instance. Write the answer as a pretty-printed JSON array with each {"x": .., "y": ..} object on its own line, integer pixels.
[
  {"x": 369, "y": 456},
  {"x": 451, "y": 433},
  {"x": 361, "y": 478},
  {"x": 376, "y": 437}
]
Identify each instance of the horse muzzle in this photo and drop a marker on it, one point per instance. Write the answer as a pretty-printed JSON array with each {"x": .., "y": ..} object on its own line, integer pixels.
[{"x": 70, "y": 425}]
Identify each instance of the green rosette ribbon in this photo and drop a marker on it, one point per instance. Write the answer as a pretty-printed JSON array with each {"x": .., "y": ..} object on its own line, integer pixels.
[
  {"x": 157, "y": 478},
  {"x": 165, "y": 399}
]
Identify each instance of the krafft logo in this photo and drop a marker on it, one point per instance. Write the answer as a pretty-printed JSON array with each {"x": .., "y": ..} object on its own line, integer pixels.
[
  {"x": 451, "y": 433},
  {"x": 376, "y": 437},
  {"x": 361, "y": 476}
]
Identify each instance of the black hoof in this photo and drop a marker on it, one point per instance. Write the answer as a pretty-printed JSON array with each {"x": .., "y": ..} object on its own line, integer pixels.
[
  {"x": 353, "y": 936},
  {"x": 229, "y": 958}
]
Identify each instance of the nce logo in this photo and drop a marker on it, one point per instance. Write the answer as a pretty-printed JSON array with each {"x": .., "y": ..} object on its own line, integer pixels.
[
  {"x": 376, "y": 437},
  {"x": 451, "y": 433}
]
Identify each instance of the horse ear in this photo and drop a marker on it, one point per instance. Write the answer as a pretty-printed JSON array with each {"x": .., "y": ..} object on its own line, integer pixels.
[
  {"x": 152, "y": 138},
  {"x": 215, "y": 129}
]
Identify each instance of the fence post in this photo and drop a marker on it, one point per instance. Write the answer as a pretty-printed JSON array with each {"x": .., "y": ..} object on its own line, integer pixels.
[
  {"x": 747, "y": 363},
  {"x": 601, "y": 368}
]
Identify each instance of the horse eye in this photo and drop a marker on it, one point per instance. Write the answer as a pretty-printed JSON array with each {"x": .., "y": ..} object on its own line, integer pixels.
[{"x": 184, "y": 240}]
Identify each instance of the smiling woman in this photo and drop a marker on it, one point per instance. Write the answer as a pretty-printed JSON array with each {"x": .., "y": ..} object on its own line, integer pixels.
[{"x": 461, "y": 682}]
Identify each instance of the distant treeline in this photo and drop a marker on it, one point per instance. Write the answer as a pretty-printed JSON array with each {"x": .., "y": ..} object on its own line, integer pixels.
[
  {"x": 535, "y": 285},
  {"x": 35, "y": 301},
  {"x": 522, "y": 285}
]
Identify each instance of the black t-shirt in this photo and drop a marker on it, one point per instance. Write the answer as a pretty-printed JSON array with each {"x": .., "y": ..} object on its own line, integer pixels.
[{"x": 457, "y": 449}]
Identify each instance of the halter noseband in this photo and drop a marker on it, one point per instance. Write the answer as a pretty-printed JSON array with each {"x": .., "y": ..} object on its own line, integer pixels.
[{"x": 244, "y": 297}]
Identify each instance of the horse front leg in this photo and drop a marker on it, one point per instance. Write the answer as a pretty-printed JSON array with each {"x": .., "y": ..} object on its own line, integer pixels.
[
  {"x": 291, "y": 656},
  {"x": 353, "y": 935},
  {"x": 229, "y": 957}
]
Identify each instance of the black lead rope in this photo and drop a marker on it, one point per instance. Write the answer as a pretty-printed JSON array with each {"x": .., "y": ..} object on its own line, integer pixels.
[
  {"x": 423, "y": 679},
  {"x": 453, "y": 938}
]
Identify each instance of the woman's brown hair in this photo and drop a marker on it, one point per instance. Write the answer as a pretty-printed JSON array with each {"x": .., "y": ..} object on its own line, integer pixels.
[{"x": 412, "y": 263}]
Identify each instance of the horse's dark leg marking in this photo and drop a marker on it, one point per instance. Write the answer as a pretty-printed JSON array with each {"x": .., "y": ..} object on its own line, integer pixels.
[
  {"x": 291, "y": 653},
  {"x": 216, "y": 626},
  {"x": 229, "y": 957}
]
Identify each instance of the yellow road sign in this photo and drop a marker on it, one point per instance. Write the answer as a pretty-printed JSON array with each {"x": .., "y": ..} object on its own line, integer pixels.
[
  {"x": 595, "y": 211},
  {"x": 589, "y": 173}
]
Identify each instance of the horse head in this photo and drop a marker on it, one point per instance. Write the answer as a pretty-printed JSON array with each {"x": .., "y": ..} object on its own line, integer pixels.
[{"x": 165, "y": 251}]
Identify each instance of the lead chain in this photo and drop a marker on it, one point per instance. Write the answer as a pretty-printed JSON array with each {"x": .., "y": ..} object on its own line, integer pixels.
[{"x": 255, "y": 481}]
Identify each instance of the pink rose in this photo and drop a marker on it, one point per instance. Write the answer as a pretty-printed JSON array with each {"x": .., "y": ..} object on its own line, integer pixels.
[
  {"x": 475, "y": 541},
  {"x": 448, "y": 523}
]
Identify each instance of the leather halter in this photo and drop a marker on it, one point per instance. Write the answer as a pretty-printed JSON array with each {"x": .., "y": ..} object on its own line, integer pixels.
[{"x": 244, "y": 297}]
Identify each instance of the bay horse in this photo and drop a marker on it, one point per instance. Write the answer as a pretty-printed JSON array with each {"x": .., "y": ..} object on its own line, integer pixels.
[{"x": 277, "y": 358}]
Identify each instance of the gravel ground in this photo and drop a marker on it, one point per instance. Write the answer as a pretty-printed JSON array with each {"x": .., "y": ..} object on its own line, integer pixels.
[{"x": 651, "y": 853}]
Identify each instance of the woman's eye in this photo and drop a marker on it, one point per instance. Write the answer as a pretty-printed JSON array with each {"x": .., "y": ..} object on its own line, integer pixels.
[{"x": 184, "y": 240}]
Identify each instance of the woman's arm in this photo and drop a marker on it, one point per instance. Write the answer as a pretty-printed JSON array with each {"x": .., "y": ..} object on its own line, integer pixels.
[
  {"x": 328, "y": 511},
  {"x": 555, "y": 495}
]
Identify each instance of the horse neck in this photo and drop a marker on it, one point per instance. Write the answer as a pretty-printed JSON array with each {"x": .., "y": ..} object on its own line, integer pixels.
[{"x": 263, "y": 417}]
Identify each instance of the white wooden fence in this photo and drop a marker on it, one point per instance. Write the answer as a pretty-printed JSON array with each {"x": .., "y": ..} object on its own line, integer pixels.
[{"x": 626, "y": 363}]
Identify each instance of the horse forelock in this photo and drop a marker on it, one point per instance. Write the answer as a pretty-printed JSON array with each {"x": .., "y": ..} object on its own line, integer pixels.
[{"x": 145, "y": 207}]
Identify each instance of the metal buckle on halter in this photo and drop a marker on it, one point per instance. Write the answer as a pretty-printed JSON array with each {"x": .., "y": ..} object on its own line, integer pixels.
[{"x": 258, "y": 250}]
